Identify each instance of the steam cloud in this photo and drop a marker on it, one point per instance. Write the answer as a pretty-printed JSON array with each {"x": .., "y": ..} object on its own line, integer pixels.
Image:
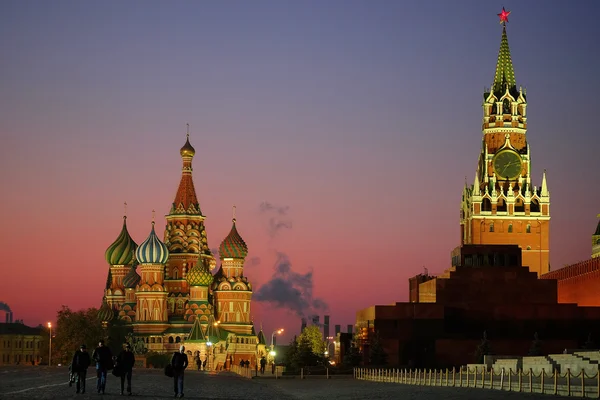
[
  {"x": 277, "y": 217},
  {"x": 4, "y": 307},
  {"x": 289, "y": 289}
]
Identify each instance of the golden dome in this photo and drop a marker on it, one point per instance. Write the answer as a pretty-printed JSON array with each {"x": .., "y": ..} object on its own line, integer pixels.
[{"x": 187, "y": 150}]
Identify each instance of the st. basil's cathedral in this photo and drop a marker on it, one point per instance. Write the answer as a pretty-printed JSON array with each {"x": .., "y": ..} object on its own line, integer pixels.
[{"x": 167, "y": 293}]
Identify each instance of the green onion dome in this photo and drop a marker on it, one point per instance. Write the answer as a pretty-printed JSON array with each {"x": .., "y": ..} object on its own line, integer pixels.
[
  {"x": 132, "y": 278},
  {"x": 233, "y": 246},
  {"x": 121, "y": 251},
  {"x": 152, "y": 250},
  {"x": 199, "y": 275},
  {"x": 106, "y": 313}
]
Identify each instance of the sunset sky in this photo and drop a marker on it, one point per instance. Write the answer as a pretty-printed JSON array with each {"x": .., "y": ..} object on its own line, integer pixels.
[{"x": 355, "y": 121}]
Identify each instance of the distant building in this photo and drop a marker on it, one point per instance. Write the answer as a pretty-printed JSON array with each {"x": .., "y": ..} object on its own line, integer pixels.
[{"x": 21, "y": 344}]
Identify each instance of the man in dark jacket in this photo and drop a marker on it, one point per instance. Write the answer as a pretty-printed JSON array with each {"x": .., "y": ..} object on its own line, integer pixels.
[
  {"x": 179, "y": 362},
  {"x": 126, "y": 361},
  {"x": 103, "y": 358},
  {"x": 79, "y": 365}
]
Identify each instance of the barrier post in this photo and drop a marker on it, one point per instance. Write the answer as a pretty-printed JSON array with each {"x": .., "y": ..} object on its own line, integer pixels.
[
  {"x": 483, "y": 378},
  {"x": 520, "y": 380},
  {"x": 555, "y": 381},
  {"x": 448, "y": 385},
  {"x": 530, "y": 380},
  {"x": 568, "y": 381},
  {"x": 301, "y": 373},
  {"x": 582, "y": 382},
  {"x": 460, "y": 376},
  {"x": 510, "y": 379},
  {"x": 453, "y": 377},
  {"x": 491, "y": 378},
  {"x": 542, "y": 384}
]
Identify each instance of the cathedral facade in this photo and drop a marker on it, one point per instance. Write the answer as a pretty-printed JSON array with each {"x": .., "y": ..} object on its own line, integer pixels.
[
  {"x": 502, "y": 206},
  {"x": 168, "y": 293}
]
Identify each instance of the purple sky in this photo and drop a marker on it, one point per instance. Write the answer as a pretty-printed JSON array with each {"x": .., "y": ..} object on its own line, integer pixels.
[{"x": 362, "y": 117}]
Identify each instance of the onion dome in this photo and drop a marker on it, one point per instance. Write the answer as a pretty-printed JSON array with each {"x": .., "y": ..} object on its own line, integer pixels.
[
  {"x": 233, "y": 246},
  {"x": 132, "y": 278},
  {"x": 187, "y": 150},
  {"x": 105, "y": 313},
  {"x": 152, "y": 250},
  {"x": 199, "y": 275},
  {"x": 120, "y": 252}
]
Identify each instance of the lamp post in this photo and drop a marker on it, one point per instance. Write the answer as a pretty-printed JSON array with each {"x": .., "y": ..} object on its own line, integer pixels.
[
  {"x": 277, "y": 332},
  {"x": 50, "y": 346}
]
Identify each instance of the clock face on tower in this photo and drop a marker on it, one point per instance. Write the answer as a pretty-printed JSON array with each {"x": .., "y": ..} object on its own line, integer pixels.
[{"x": 507, "y": 164}]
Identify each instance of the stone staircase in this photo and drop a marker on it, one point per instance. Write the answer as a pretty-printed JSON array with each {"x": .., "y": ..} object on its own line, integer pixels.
[
  {"x": 593, "y": 357},
  {"x": 574, "y": 363}
]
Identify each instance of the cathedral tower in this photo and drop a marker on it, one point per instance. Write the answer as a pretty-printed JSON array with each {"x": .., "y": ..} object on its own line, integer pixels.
[
  {"x": 185, "y": 236},
  {"x": 502, "y": 206},
  {"x": 151, "y": 297},
  {"x": 232, "y": 291}
]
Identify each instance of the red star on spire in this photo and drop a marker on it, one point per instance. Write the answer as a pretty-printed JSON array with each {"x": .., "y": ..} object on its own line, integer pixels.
[{"x": 504, "y": 16}]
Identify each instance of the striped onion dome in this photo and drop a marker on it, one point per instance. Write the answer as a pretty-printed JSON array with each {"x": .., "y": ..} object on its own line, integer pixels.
[
  {"x": 233, "y": 246},
  {"x": 132, "y": 278},
  {"x": 152, "y": 250},
  {"x": 106, "y": 313},
  {"x": 199, "y": 275},
  {"x": 121, "y": 251}
]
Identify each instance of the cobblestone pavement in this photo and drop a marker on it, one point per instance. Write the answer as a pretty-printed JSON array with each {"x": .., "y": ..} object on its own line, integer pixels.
[{"x": 42, "y": 383}]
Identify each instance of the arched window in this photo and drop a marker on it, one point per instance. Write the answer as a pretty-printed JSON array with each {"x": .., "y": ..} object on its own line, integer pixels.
[
  {"x": 175, "y": 274},
  {"x": 509, "y": 228},
  {"x": 501, "y": 206},
  {"x": 170, "y": 339},
  {"x": 535, "y": 206},
  {"x": 486, "y": 205},
  {"x": 519, "y": 205},
  {"x": 492, "y": 227},
  {"x": 506, "y": 107},
  {"x": 177, "y": 339},
  {"x": 528, "y": 229}
]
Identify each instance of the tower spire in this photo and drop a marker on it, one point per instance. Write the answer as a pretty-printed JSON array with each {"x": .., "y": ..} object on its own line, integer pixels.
[
  {"x": 188, "y": 131},
  {"x": 125, "y": 214},
  {"x": 234, "y": 214},
  {"x": 544, "y": 185},
  {"x": 505, "y": 73},
  {"x": 476, "y": 190}
]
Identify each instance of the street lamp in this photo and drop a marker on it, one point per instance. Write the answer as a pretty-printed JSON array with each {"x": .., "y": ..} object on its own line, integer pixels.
[
  {"x": 50, "y": 346},
  {"x": 278, "y": 332}
]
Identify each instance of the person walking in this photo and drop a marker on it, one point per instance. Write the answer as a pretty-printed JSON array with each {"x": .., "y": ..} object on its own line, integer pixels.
[
  {"x": 179, "y": 362},
  {"x": 263, "y": 364},
  {"x": 79, "y": 365},
  {"x": 103, "y": 358},
  {"x": 126, "y": 361}
]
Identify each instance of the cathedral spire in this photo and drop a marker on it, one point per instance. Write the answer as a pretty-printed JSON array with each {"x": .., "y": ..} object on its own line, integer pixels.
[
  {"x": 505, "y": 73},
  {"x": 476, "y": 190},
  {"x": 186, "y": 201}
]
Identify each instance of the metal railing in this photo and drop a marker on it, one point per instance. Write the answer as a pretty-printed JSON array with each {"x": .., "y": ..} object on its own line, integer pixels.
[{"x": 567, "y": 384}]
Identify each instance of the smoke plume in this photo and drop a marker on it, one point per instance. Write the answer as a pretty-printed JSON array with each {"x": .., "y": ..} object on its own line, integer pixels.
[
  {"x": 278, "y": 219},
  {"x": 291, "y": 290},
  {"x": 4, "y": 307}
]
